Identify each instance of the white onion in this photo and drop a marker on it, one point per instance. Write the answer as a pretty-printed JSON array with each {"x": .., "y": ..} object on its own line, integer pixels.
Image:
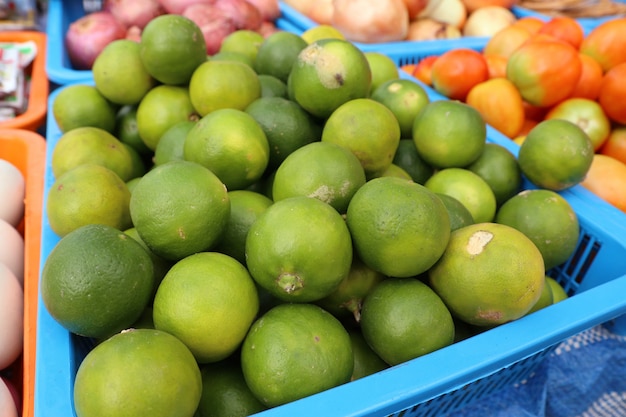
[
  {"x": 415, "y": 7},
  {"x": 487, "y": 21},
  {"x": 322, "y": 11},
  {"x": 371, "y": 22},
  {"x": 452, "y": 12},
  {"x": 427, "y": 29}
]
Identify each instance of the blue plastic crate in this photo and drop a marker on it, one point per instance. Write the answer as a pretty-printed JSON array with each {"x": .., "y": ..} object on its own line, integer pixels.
[
  {"x": 61, "y": 13},
  {"x": 433, "y": 384}
]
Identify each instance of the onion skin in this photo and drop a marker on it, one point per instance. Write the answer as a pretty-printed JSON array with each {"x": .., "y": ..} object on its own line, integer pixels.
[
  {"x": 178, "y": 6},
  {"x": 269, "y": 9},
  {"x": 87, "y": 36},
  {"x": 369, "y": 21},
  {"x": 472, "y": 5},
  {"x": 133, "y": 33},
  {"x": 267, "y": 28},
  {"x": 244, "y": 14},
  {"x": 427, "y": 29},
  {"x": 321, "y": 11},
  {"x": 134, "y": 12},
  {"x": 487, "y": 21},
  {"x": 415, "y": 7},
  {"x": 215, "y": 24}
]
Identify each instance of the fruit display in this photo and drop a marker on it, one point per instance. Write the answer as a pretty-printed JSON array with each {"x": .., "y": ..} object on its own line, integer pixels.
[
  {"x": 257, "y": 218},
  {"x": 520, "y": 85}
]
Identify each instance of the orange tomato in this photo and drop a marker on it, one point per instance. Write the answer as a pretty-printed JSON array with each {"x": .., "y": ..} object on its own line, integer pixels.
[
  {"x": 588, "y": 85},
  {"x": 606, "y": 43},
  {"x": 612, "y": 96},
  {"x": 456, "y": 71},
  {"x": 535, "y": 113},
  {"x": 587, "y": 114},
  {"x": 606, "y": 178},
  {"x": 565, "y": 28},
  {"x": 505, "y": 41},
  {"x": 423, "y": 69},
  {"x": 531, "y": 23},
  {"x": 615, "y": 145},
  {"x": 526, "y": 127},
  {"x": 408, "y": 68},
  {"x": 544, "y": 71},
  {"x": 496, "y": 65},
  {"x": 500, "y": 105}
]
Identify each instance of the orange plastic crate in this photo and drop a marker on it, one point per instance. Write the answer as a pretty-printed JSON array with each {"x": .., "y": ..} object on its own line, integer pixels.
[
  {"x": 35, "y": 115},
  {"x": 27, "y": 151}
]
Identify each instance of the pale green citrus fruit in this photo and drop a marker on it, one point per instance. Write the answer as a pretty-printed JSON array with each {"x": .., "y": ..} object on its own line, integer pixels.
[
  {"x": 399, "y": 227},
  {"x": 88, "y": 194},
  {"x": 293, "y": 260},
  {"x": 322, "y": 170},
  {"x": 208, "y": 300},
  {"x": 489, "y": 274},
  {"x": 547, "y": 219},
  {"x": 122, "y": 84},
  {"x": 293, "y": 351},
  {"x": 171, "y": 48},
  {"x": 231, "y": 144},
  {"x": 96, "y": 281},
  {"x": 403, "y": 319},
  {"x": 179, "y": 208},
  {"x": 139, "y": 372},
  {"x": 449, "y": 134}
]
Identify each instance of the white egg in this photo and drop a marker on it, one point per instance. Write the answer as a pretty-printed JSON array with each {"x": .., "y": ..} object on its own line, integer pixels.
[
  {"x": 12, "y": 250},
  {"x": 7, "y": 402},
  {"x": 11, "y": 317},
  {"x": 12, "y": 193}
]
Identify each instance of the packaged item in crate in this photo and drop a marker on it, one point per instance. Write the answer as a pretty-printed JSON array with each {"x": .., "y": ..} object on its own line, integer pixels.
[
  {"x": 14, "y": 81},
  {"x": 431, "y": 385},
  {"x": 24, "y": 89}
]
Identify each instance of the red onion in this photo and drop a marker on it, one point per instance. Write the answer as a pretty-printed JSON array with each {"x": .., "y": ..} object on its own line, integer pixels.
[
  {"x": 243, "y": 13},
  {"x": 269, "y": 9},
  {"x": 267, "y": 28},
  {"x": 87, "y": 36},
  {"x": 214, "y": 23},
  {"x": 178, "y": 6},
  {"x": 134, "y": 12},
  {"x": 133, "y": 33}
]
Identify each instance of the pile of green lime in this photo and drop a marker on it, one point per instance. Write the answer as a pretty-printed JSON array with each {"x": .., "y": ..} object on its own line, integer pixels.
[{"x": 276, "y": 220}]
